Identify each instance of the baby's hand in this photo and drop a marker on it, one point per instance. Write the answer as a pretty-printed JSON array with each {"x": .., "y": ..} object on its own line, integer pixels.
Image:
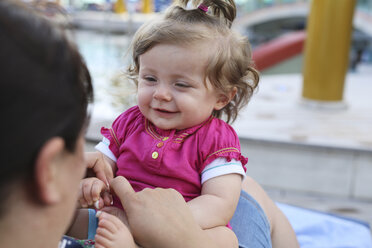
[
  {"x": 94, "y": 192},
  {"x": 99, "y": 166}
]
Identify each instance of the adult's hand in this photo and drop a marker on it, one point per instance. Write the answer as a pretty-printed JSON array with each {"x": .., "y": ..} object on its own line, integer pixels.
[{"x": 159, "y": 217}]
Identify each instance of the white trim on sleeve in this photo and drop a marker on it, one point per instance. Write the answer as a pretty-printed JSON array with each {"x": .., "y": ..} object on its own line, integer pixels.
[
  {"x": 103, "y": 147},
  {"x": 220, "y": 167}
]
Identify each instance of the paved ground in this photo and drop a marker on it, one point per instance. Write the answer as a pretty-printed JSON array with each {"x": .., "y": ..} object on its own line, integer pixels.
[{"x": 277, "y": 112}]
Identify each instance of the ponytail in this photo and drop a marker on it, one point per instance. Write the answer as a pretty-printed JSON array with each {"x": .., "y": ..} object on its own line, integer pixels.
[{"x": 223, "y": 10}]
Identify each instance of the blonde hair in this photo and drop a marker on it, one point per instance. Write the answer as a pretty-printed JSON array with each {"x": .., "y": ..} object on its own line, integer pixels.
[{"x": 229, "y": 67}]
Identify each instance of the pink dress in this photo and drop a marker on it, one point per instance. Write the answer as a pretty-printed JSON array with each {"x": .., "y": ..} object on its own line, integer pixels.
[{"x": 150, "y": 157}]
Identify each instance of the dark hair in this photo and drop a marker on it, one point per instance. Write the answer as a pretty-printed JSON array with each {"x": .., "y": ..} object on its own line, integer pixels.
[
  {"x": 45, "y": 88},
  {"x": 230, "y": 64}
]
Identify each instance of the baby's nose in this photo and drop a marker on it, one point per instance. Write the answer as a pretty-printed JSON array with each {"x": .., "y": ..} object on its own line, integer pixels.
[{"x": 162, "y": 93}]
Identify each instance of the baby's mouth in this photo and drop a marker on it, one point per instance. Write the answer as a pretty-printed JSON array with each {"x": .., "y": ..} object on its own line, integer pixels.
[{"x": 164, "y": 111}]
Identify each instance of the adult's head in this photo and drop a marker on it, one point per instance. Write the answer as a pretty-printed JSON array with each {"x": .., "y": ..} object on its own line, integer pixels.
[{"x": 45, "y": 88}]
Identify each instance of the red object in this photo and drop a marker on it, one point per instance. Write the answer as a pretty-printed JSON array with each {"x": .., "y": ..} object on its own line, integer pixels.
[{"x": 278, "y": 50}]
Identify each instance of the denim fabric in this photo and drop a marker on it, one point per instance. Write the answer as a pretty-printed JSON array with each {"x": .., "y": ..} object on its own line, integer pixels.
[
  {"x": 93, "y": 223},
  {"x": 250, "y": 223}
]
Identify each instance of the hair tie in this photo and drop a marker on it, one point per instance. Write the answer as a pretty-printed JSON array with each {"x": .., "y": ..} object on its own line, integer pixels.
[{"x": 203, "y": 7}]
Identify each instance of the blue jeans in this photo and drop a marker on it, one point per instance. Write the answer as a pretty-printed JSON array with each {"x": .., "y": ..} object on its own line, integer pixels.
[{"x": 250, "y": 223}]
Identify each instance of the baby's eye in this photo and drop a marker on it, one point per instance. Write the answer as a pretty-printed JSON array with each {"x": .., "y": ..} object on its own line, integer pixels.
[
  {"x": 150, "y": 79},
  {"x": 182, "y": 85}
]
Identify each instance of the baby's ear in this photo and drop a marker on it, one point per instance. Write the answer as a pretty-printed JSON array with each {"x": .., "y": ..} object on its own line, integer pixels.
[{"x": 224, "y": 99}]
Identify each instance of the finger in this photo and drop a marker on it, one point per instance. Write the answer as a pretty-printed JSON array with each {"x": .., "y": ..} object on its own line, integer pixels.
[
  {"x": 97, "y": 187},
  {"x": 81, "y": 199},
  {"x": 83, "y": 203},
  {"x": 99, "y": 166},
  {"x": 103, "y": 238},
  {"x": 110, "y": 222},
  {"x": 106, "y": 229},
  {"x": 99, "y": 169},
  {"x": 86, "y": 189},
  {"x": 107, "y": 198},
  {"x": 123, "y": 190},
  {"x": 99, "y": 204},
  {"x": 103, "y": 170},
  {"x": 96, "y": 245}
]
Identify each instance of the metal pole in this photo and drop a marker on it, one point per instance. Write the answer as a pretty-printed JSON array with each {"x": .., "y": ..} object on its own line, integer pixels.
[{"x": 327, "y": 46}]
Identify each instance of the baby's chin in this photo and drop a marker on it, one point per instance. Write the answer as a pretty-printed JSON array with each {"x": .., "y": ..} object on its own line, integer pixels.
[{"x": 165, "y": 125}]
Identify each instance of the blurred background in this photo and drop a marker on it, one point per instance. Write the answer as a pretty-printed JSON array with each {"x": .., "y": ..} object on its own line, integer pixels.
[{"x": 307, "y": 130}]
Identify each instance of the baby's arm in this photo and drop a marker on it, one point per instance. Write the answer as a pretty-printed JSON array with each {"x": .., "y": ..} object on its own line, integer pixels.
[
  {"x": 217, "y": 202},
  {"x": 103, "y": 168},
  {"x": 100, "y": 166}
]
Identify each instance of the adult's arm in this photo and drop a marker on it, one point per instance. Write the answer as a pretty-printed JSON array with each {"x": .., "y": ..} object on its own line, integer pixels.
[{"x": 160, "y": 218}]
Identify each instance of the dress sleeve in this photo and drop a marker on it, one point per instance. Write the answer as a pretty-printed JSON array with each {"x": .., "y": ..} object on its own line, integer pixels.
[
  {"x": 220, "y": 141},
  {"x": 121, "y": 128}
]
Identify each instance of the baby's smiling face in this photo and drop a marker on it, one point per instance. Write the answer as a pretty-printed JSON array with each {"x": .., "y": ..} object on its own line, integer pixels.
[{"x": 172, "y": 92}]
